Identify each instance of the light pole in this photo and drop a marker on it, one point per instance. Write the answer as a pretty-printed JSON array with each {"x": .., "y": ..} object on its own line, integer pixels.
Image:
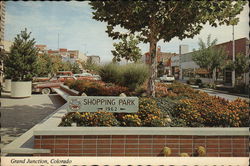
[{"x": 233, "y": 72}]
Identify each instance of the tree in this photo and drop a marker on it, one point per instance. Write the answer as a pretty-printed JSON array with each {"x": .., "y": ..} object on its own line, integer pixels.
[
  {"x": 75, "y": 68},
  {"x": 91, "y": 66},
  {"x": 209, "y": 57},
  {"x": 127, "y": 49},
  {"x": 44, "y": 65},
  {"x": 21, "y": 62},
  {"x": 152, "y": 21}
]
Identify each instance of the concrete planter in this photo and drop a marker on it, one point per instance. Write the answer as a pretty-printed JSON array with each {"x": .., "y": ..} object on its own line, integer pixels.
[
  {"x": 7, "y": 85},
  {"x": 21, "y": 89}
]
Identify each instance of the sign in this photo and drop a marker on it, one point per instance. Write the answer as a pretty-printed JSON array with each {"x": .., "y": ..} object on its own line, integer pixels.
[{"x": 98, "y": 103}]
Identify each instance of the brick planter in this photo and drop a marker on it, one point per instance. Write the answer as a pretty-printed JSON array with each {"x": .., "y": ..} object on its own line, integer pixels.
[{"x": 134, "y": 143}]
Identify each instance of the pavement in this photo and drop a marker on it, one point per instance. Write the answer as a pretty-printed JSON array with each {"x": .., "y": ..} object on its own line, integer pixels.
[{"x": 19, "y": 115}]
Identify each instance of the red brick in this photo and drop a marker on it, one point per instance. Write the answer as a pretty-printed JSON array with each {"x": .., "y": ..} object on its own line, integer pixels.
[
  {"x": 225, "y": 154},
  {"x": 145, "y": 150},
  {"x": 89, "y": 146},
  {"x": 132, "y": 136},
  {"x": 117, "y": 154},
  {"x": 61, "y": 137},
  {"x": 117, "y": 146},
  {"x": 104, "y": 136},
  {"x": 157, "y": 150},
  {"x": 49, "y": 141},
  {"x": 88, "y": 141},
  {"x": 103, "y": 146},
  {"x": 47, "y": 154},
  {"x": 189, "y": 151},
  {"x": 37, "y": 146},
  {"x": 60, "y": 154},
  {"x": 75, "y": 150},
  {"x": 104, "y": 141},
  {"x": 145, "y": 141},
  {"x": 131, "y": 150},
  {"x": 225, "y": 141},
  {"x": 212, "y": 154},
  {"x": 103, "y": 154},
  {"x": 47, "y": 137},
  {"x": 61, "y": 150},
  {"x": 226, "y": 150},
  {"x": 132, "y": 141},
  {"x": 240, "y": 154},
  {"x": 76, "y": 136},
  {"x": 199, "y": 141},
  {"x": 239, "y": 137},
  {"x": 75, "y": 141},
  {"x": 238, "y": 141},
  {"x": 90, "y": 137},
  {"x": 114, "y": 141},
  {"x": 186, "y": 146},
  {"x": 199, "y": 137},
  {"x": 47, "y": 146},
  {"x": 159, "y": 137},
  {"x": 158, "y": 146},
  {"x": 37, "y": 137},
  {"x": 186, "y": 137},
  {"x": 60, "y": 146},
  {"x": 225, "y": 137},
  {"x": 89, "y": 151},
  {"x": 212, "y": 141},
  {"x": 172, "y": 141},
  {"x": 88, "y": 154},
  {"x": 145, "y": 154},
  {"x": 225, "y": 146},
  {"x": 212, "y": 137},
  {"x": 117, "y": 151},
  {"x": 172, "y": 145},
  {"x": 212, "y": 146},
  {"x": 159, "y": 141},
  {"x": 75, "y": 146},
  {"x": 37, "y": 142},
  {"x": 145, "y": 146},
  {"x": 237, "y": 146},
  {"x": 186, "y": 141},
  {"x": 106, "y": 150},
  {"x": 131, "y": 146},
  {"x": 131, "y": 154},
  {"x": 62, "y": 141},
  {"x": 118, "y": 136},
  {"x": 212, "y": 150},
  {"x": 240, "y": 150},
  {"x": 172, "y": 137},
  {"x": 146, "y": 136}
]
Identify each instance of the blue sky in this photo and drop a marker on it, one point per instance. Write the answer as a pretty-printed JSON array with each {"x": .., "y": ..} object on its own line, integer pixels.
[{"x": 77, "y": 30}]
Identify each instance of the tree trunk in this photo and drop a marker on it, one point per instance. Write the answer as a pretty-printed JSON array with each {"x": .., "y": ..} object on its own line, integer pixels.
[
  {"x": 153, "y": 68},
  {"x": 214, "y": 75}
]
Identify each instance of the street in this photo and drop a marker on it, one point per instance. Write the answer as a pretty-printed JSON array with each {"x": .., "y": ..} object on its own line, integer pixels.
[{"x": 19, "y": 115}]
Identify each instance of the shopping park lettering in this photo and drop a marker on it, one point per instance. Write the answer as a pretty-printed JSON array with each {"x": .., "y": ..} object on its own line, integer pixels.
[{"x": 121, "y": 102}]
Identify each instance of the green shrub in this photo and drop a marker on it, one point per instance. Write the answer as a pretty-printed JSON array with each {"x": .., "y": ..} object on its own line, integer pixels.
[
  {"x": 130, "y": 75},
  {"x": 133, "y": 75},
  {"x": 110, "y": 73},
  {"x": 131, "y": 120}
]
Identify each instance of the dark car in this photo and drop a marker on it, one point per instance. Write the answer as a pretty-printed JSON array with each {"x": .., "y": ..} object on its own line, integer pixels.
[{"x": 54, "y": 82}]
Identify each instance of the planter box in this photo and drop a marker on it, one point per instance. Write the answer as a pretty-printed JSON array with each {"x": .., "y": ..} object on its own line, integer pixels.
[
  {"x": 71, "y": 92},
  {"x": 21, "y": 89},
  {"x": 7, "y": 85},
  {"x": 137, "y": 141}
]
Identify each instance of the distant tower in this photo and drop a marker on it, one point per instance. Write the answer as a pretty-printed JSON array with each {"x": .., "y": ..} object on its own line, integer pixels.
[{"x": 2, "y": 20}]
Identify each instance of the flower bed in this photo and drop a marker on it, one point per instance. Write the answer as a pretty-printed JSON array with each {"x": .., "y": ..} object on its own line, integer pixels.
[{"x": 176, "y": 105}]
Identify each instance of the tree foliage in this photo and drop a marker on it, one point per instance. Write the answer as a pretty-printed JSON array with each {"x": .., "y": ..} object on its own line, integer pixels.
[
  {"x": 21, "y": 62},
  {"x": 152, "y": 20},
  {"x": 90, "y": 66},
  {"x": 127, "y": 49},
  {"x": 208, "y": 56},
  {"x": 240, "y": 65},
  {"x": 44, "y": 65}
]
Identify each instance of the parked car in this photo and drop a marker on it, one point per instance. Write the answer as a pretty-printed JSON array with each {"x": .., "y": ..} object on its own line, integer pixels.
[
  {"x": 167, "y": 78},
  {"x": 64, "y": 73},
  {"x": 84, "y": 76},
  {"x": 54, "y": 82}
]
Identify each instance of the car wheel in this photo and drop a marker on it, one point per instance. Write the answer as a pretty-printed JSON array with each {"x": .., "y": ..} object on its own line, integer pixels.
[{"x": 46, "y": 91}]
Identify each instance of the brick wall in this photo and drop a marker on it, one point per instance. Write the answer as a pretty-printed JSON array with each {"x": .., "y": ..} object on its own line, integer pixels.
[{"x": 141, "y": 145}]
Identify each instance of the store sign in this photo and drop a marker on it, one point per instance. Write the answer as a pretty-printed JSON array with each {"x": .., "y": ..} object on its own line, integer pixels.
[{"x": 98, "y": 103}]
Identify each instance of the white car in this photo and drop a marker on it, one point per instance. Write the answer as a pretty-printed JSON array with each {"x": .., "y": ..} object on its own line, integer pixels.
[{"x": 167, "y": 78}]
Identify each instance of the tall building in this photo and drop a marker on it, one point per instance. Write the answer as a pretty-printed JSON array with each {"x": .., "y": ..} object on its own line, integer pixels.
[
  {"x": 94, "y": 59},
  {"x": 2, "y": 20}
]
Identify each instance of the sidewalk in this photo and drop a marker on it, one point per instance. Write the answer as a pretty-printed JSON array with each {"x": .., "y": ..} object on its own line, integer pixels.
[{"x": 19, "y": 115}]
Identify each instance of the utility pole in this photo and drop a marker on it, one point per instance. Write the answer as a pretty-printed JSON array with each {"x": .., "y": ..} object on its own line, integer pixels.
[{"x": 233, "y": 72}]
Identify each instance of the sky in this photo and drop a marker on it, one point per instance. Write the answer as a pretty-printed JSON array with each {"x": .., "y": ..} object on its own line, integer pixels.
[{"x": 73, "y": 23}]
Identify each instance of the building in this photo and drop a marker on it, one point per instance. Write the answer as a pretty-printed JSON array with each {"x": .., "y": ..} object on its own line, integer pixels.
[
  {"x": 164, "y": 57},
  {"x": 175, "y": 66},
  {"x": 2, "y": 20},
  {"x": 94, "y": 59},
  {"x": 189, "y": 69}
]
